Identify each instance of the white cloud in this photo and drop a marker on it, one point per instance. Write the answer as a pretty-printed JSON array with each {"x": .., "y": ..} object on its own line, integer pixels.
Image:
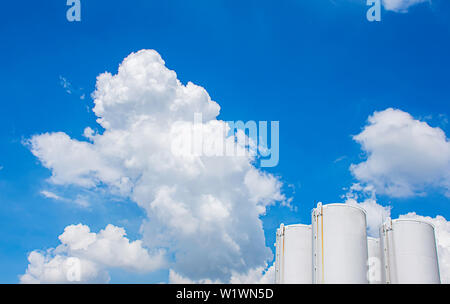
[
  {"x": 341, "y": 158},
  {"x": 47, "y": 268},
  {"x": 442, "y": 230},
  {"x": 401, "y": 6},
  {"x": 95, "y": 253},
  {"x": 263, "y": 187},
  {"x": 404, "y": 156},
  {"x": 259, "y": 275},
  {"x": 80, "y": 200},
  {"x": 49, "y": 194},
  {"x": 72, "y": 161},
  {"x": 176, "y": 278},
  {"x": 204, "y": 210},
  {"x": 65, "y": 84},
  {"x": 375, "y": 213}
]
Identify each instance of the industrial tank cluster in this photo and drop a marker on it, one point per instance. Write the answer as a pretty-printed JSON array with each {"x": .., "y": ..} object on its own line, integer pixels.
[{"x": 335, "y": 249}]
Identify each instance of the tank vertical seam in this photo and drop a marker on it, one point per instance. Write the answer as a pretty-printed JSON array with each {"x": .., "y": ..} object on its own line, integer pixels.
[
  {"x": 321, "y": 223},
  {"x": 282, "y": 268},
  {"x": 387, "y": 255},
  {"x": 317, "y": 243}
]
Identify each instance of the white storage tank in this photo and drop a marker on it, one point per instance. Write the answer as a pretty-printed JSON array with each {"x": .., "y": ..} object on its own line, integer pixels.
[
  {"x": 339, "y": 244},
  {"x": 409, "y": 252},
  {"x": 374, "y": 262},
  {"x": 293, "y": 255}
]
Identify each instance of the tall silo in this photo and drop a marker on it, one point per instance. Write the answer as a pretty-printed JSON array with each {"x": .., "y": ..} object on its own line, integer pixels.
[
  {"x": 410, "y": 254},
  {"x": 339, "y": 244},
  {"x": 293, "y": 254},
  {"x": 374, "y": 262}
]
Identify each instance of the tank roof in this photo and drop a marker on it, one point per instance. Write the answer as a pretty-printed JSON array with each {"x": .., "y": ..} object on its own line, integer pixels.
[
  {"x": 297, "y": 225},
  {"x": 342, "y": 205},
  {"x": 413, "y": 220}
]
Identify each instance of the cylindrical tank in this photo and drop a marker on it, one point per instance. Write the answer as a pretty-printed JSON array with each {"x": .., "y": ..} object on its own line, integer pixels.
[
  {"x": 410, "y": 254},
  {"x": 293, "y": 255},
  {"x": 339, "y": 244},
  {"x": 374, "y": 262}
]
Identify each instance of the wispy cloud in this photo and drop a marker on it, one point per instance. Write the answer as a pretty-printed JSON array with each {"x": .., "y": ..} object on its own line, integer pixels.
[
  {"x": 52, "y": 195},
  {"x": 340, "y": 158},
  {"x": 65, "y": 83},
  {"x": 80, "y": 200},
  {"x": 401, "y": 6}
]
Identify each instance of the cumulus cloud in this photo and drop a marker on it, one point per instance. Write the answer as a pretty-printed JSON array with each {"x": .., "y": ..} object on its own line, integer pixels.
[
  {"x": 259, "y": 275},
  {"x": 401, "y": 6},
  {"x": 176, "y": 278},
  {"x": 365, "y": 198},
  {"x": 204, "y": 210},
  {"x": 405, "y": 156},
  {"x": 48, "y": 268},
  {"x": 442, "y": 230},
  {"x": 85, "y": 257}
]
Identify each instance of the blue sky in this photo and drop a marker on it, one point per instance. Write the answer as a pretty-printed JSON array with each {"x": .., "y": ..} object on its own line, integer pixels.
[{"x": 319, "y": 67}]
